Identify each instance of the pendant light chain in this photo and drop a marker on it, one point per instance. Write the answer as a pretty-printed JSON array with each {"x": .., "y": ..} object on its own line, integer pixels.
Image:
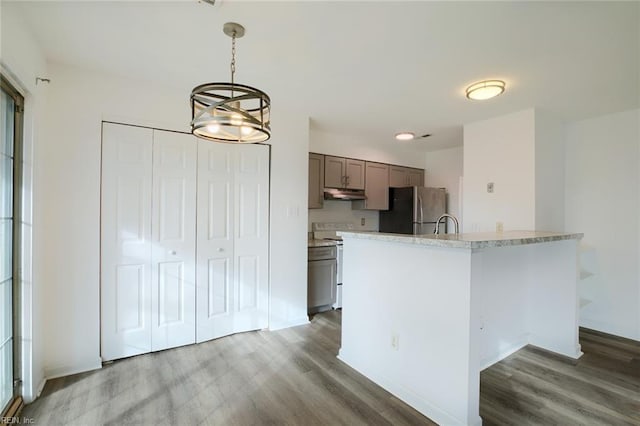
[{"x": 233, "y": 57}]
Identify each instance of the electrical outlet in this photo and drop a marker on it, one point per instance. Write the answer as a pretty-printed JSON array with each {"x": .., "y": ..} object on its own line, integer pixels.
[
  {"x": 490, "y": 187},
  {"x": 395, "y": 341},
  {"x": 499, "y": 227},
  {"x": 362, "y": 221}
]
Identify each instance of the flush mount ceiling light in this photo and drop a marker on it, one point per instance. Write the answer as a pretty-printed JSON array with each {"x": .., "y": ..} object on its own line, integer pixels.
[
  {"x": 405, "y": 136},
  {"x": 486, "y": 89},
  {"x": 230, "y": 112},
  {"x": 409, "y": 136}
]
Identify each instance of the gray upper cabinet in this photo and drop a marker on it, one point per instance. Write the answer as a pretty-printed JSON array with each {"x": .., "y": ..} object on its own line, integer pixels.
[
  {"x": 334, "y": 168},
  {"x": 400, "y": 177},
  {"x": 343, "y": 173},
  {"x": 355, "y": 175},
  {"x": 376, "y": 188},
  {"x": 316, "y": 180},
  {"x": 416, "y": 177}
]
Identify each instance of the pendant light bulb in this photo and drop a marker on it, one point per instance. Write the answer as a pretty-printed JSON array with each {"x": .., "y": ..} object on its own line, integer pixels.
[
  {"x": 236, "y": 119},
  {"x": 213, "y": 128}
]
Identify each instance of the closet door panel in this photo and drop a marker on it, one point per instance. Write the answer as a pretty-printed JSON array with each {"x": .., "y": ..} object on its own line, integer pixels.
[
  {"x": 251, "y": 245},
  {"x": 125, "y": 282},
  {"x": 174, "y": 240},
  {"x": 215, "y": 245}
]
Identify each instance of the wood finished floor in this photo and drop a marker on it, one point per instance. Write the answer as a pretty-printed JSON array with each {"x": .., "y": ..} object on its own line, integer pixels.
[{"x": 292, "y": 377}]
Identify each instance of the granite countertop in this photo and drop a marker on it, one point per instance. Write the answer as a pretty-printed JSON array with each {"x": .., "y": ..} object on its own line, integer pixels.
[
  {"x": 474, "y": 240},
  {"x": 321, "y": 243}
]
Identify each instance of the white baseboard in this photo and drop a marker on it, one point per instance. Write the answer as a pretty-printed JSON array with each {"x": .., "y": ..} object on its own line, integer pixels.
[
  {"x": 570, "y": 351},
  {"x": 609, "y": 329},
  {"x": 67, "y": 370},
  {"x": 430, "y": 410},
  {"x": 489, "y": 360},
  {"x": 279, "y": 325},
  {"x": 40, "y": 388}
]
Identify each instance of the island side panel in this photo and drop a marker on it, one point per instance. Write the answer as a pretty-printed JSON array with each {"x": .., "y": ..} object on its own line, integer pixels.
[
  {"x": 553, "y": 308},
  {"x": 406, "y": 325},
  {"x": 525, "y": 295},
  {"x": 500, "y": 298}
]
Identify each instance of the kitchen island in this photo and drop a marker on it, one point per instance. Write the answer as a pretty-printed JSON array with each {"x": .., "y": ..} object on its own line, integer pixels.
[{"x": 424, "y": 314}]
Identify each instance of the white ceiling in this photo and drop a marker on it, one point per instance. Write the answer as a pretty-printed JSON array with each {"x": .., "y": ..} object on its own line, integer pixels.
[{"x": 366, "y": 68}]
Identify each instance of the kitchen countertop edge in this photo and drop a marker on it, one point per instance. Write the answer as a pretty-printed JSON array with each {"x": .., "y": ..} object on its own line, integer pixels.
[
  {"x": 321, "y": 243},
  {"x": 469, "y": 240}
]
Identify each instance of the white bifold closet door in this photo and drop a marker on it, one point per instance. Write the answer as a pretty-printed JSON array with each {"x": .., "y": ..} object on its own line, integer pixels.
[
  {"x": 232, "y": 239},
  {"x": 147, "y": 240},
  {"x": 173, "y": 237}
]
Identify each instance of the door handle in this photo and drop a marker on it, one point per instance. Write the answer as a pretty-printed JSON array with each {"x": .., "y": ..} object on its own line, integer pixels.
[
  {"x": 172, "y": 252},
  {"x": 220, "y": 249}
]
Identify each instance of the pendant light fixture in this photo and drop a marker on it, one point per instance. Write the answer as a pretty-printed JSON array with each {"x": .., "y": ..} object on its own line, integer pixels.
[{"x": 230, "y": 112}]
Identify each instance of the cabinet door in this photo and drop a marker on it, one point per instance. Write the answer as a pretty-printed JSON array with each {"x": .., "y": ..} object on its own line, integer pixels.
[
  {"x": 125, "y": 269},
  {"x": 316, "y": 181},
  {"x": 322, "y": 283},
  {"x": 173, "y": 224},
  {"x": 416, "y": 177},
  {"x": 377, "y": 186},
  {"x": 398, "y": 177},
  {"x": 355, "y": 173},
  {"x": 334, "y": 172}
]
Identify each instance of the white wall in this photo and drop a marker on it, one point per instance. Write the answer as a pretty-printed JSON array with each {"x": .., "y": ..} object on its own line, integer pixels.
[
  {"x": 79, "y": 100},
  {"x": 444, "y": 170},
  {"x": 500, "y": 150},
  {"x": 603, "y": 201},
  {"x": 21, "y": 62},
  {"x": 549, "y": 172},
  {"x": 289, "y": 177}
]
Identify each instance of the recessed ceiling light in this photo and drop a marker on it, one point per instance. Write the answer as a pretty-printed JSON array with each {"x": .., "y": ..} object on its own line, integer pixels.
[
  {"x": 405, "y": 136},
  {"x": 486, "y": 89}
]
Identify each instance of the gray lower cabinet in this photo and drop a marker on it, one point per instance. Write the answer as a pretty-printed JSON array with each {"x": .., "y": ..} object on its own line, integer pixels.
[
  {"x": 322, "y": 283},
  {"x": 321, "y": 278}
]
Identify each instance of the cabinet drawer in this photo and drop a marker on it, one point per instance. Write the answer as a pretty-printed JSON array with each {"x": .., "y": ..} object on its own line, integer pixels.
[{"x": 322, "y": 253}]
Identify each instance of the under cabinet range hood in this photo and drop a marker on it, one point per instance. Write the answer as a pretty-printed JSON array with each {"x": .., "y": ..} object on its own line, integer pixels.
[{"x": 344, "y": 194}]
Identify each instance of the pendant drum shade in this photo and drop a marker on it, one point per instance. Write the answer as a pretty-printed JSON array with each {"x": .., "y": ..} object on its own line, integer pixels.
[{"x": 230, "y": 112}]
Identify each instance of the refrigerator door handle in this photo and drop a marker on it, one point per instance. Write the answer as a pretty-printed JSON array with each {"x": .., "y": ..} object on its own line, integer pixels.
[{"x": 421, "y": 210}]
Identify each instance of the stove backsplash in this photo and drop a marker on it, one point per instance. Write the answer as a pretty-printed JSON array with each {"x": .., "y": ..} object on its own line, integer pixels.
[{"x": 340, "y": 212}]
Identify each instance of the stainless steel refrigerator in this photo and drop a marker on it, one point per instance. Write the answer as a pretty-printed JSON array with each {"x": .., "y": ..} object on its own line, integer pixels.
[{"x": 414, "y": 210}]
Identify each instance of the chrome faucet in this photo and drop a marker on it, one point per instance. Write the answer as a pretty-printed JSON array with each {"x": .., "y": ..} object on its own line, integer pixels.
[{"x": 445, "y": 216}]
